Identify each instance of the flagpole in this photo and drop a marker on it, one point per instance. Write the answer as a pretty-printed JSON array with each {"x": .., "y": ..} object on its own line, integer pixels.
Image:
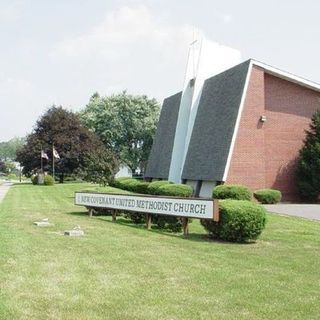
[
  {"x": 41, "y": 161},
  {"x": 52, "y": 162}
]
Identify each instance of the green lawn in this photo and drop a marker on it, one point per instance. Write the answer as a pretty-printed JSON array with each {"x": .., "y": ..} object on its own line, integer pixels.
[{"x": 120, "y": 271}]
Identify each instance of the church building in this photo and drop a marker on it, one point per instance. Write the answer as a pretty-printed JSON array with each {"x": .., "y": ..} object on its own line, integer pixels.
[{"x": 244, "y": 125}]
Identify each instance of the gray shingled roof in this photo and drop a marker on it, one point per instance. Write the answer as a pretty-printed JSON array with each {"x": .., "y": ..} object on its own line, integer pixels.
[
  {"x": 160, "y": 156},
  {"x": 214, "y": 125}
]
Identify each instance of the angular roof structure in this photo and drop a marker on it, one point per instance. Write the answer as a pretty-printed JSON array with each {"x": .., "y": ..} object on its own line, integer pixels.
[{"x": 209, "y": 150}]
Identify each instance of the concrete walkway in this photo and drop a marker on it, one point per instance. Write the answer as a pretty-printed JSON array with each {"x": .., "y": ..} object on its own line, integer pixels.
[
  {"x": 308, "y": 211},
  {"x": 4, "y": 188}
]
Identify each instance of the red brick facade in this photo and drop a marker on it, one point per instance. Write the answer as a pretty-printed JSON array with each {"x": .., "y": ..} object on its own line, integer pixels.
[{"x": 265, "y": 153}]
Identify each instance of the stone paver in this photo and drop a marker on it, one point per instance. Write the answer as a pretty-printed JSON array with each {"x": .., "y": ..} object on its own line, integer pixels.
[
  {"x": 4, "y": 187},
  {"x": 308, "y": 211}
]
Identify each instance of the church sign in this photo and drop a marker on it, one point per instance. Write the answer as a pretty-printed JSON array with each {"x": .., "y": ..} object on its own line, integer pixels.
[{"x": 180, "y": 207}]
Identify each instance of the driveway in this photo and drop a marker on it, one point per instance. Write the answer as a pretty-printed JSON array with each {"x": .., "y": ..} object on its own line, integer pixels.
[
  {"x": 308, "y": 211},
  {"x": 4, "y": 188}
]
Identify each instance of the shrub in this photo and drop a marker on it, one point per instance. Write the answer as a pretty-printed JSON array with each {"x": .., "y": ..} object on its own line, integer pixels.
[
  {"x": 268, "y": 196},
  {"x": 175, "y": 190},
  {"x": 142, "y": 187},
  {"x": 34, "y": 179},
  {"x": 48, "y": 180},
  {"x": 117, "y": 182},
  {"x": 136, "y": 217},
  {"x": 98, "y": 211},
  {"x": 240, "y": 221},
  {"x": 236, "y": 192},
  {"x": 171, "y": 223},
  {"x": 129, "y": 184},
  {"x": 155, "y": 185}
]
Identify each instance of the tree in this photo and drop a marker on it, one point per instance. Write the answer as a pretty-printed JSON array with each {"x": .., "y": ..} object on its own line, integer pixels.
[
  {"x": 308, "y": 170},
  {"x": 99, "y": 167},
  {"x": 2, "y": 167},
  {"x": 8, "y": 149},
  {"x": 125, "y": 123},
  {"x": 73, "y": 142}
]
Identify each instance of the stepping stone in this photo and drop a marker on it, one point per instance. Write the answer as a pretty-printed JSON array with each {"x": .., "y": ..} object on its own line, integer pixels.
[
  {"x": 43, "y": 223},
  {"x": 75, "y": 232}
]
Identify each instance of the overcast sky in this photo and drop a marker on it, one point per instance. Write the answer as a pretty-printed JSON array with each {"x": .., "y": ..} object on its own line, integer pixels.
[{"x": 62, "y": 51}]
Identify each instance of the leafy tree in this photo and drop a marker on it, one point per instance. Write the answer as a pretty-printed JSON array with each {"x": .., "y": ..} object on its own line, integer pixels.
[
  {"x": 74, "y": 143},
  {"x": 125, "y": 123},
  {"x": 308, "y": 170},
  {"x": 99, "y": 167},
  {"x": 8, "y": 149},
  {"x": 2, "y": 166}
]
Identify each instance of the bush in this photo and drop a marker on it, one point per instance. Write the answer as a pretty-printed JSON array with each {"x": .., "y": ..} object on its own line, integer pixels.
[
  {"x": 236, "y": 192},
  {"x": 240, "y": 221},
  {"x": 48, "y": 180},
  {"x": 129, "y": 184},
  {"x": 175, "y": 190},
  {"x": 116, "y": 183},
  {"x": 171, "y": 223},
  {"x": 142, "y": 187},
  {"x": 34, "y": 179},
  {"x": 268, "y": 196},
  {"x": 136, "y": 217},
  {"x": 155, "y": 185}
]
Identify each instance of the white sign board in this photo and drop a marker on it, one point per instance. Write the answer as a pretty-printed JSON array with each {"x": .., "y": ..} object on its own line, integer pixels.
[{"x": 181, "y": 207}]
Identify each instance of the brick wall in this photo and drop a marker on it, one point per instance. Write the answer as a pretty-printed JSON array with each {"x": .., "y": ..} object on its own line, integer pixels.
[
  {"x": 289, "y": 108},
  {"x": 247, "y": 164},
  {"x": 265, "y": 153}
]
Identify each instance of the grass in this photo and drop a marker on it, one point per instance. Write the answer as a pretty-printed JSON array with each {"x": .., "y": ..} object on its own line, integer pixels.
[{"x": 121, "y": 271}]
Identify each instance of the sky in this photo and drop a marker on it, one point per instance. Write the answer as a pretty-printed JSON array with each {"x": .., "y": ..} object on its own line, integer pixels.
[{"x": 61, "y": 52}]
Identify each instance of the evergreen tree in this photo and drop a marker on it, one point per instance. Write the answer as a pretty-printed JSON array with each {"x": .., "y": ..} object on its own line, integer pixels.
[{"x": 308, "y": 170}]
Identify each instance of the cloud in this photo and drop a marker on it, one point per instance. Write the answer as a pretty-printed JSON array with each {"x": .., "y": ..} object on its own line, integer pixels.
[
  {"x": 11, "y": 12},
  {"x": 123, "y": 31},
  {"x": 130, "y": 48}
]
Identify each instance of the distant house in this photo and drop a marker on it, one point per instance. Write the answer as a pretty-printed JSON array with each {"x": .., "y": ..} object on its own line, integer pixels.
[
  {"x": 247, "y": 128},
  {"x": 124, "y": 171}
]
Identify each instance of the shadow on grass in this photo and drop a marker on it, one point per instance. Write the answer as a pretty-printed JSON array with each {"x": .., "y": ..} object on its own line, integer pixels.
[{"x": 196, "y": 237}]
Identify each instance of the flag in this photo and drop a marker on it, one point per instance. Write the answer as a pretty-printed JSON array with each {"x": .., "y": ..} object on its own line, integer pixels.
[
  {"x": 55, "y": 153},
  {"x": 44, "y": 155}
]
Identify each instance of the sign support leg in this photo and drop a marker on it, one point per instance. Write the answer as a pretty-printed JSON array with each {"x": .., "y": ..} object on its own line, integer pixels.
[
  {"x": 114, "y": 215},
  {"x": 148, "y": 221},
  {"x": 90, "y": 212},
  {"x": 185, "y": 226}
]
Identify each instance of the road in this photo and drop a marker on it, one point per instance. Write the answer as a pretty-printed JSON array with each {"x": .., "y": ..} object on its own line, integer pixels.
[{"x": 308, "y": 211}]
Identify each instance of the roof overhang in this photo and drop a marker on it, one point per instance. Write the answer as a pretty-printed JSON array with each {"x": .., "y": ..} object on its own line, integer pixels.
[{"x": 286, "y": 75}]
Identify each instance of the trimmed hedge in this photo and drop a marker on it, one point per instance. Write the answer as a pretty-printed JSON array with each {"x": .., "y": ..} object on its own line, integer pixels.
[
  {"x": 155, "y": 185},
  {"x": 175, "y": 190},
  {"x": 142, "y": 187},
  {"x": 48, "y": 180},
  {"x": 129, "y": 184},
  {"x": 240, "y": 221},
  {"x": 116, "y": 183},
  {"x": 236, "y": 192},
  {"x": 268, "y": 196}
]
